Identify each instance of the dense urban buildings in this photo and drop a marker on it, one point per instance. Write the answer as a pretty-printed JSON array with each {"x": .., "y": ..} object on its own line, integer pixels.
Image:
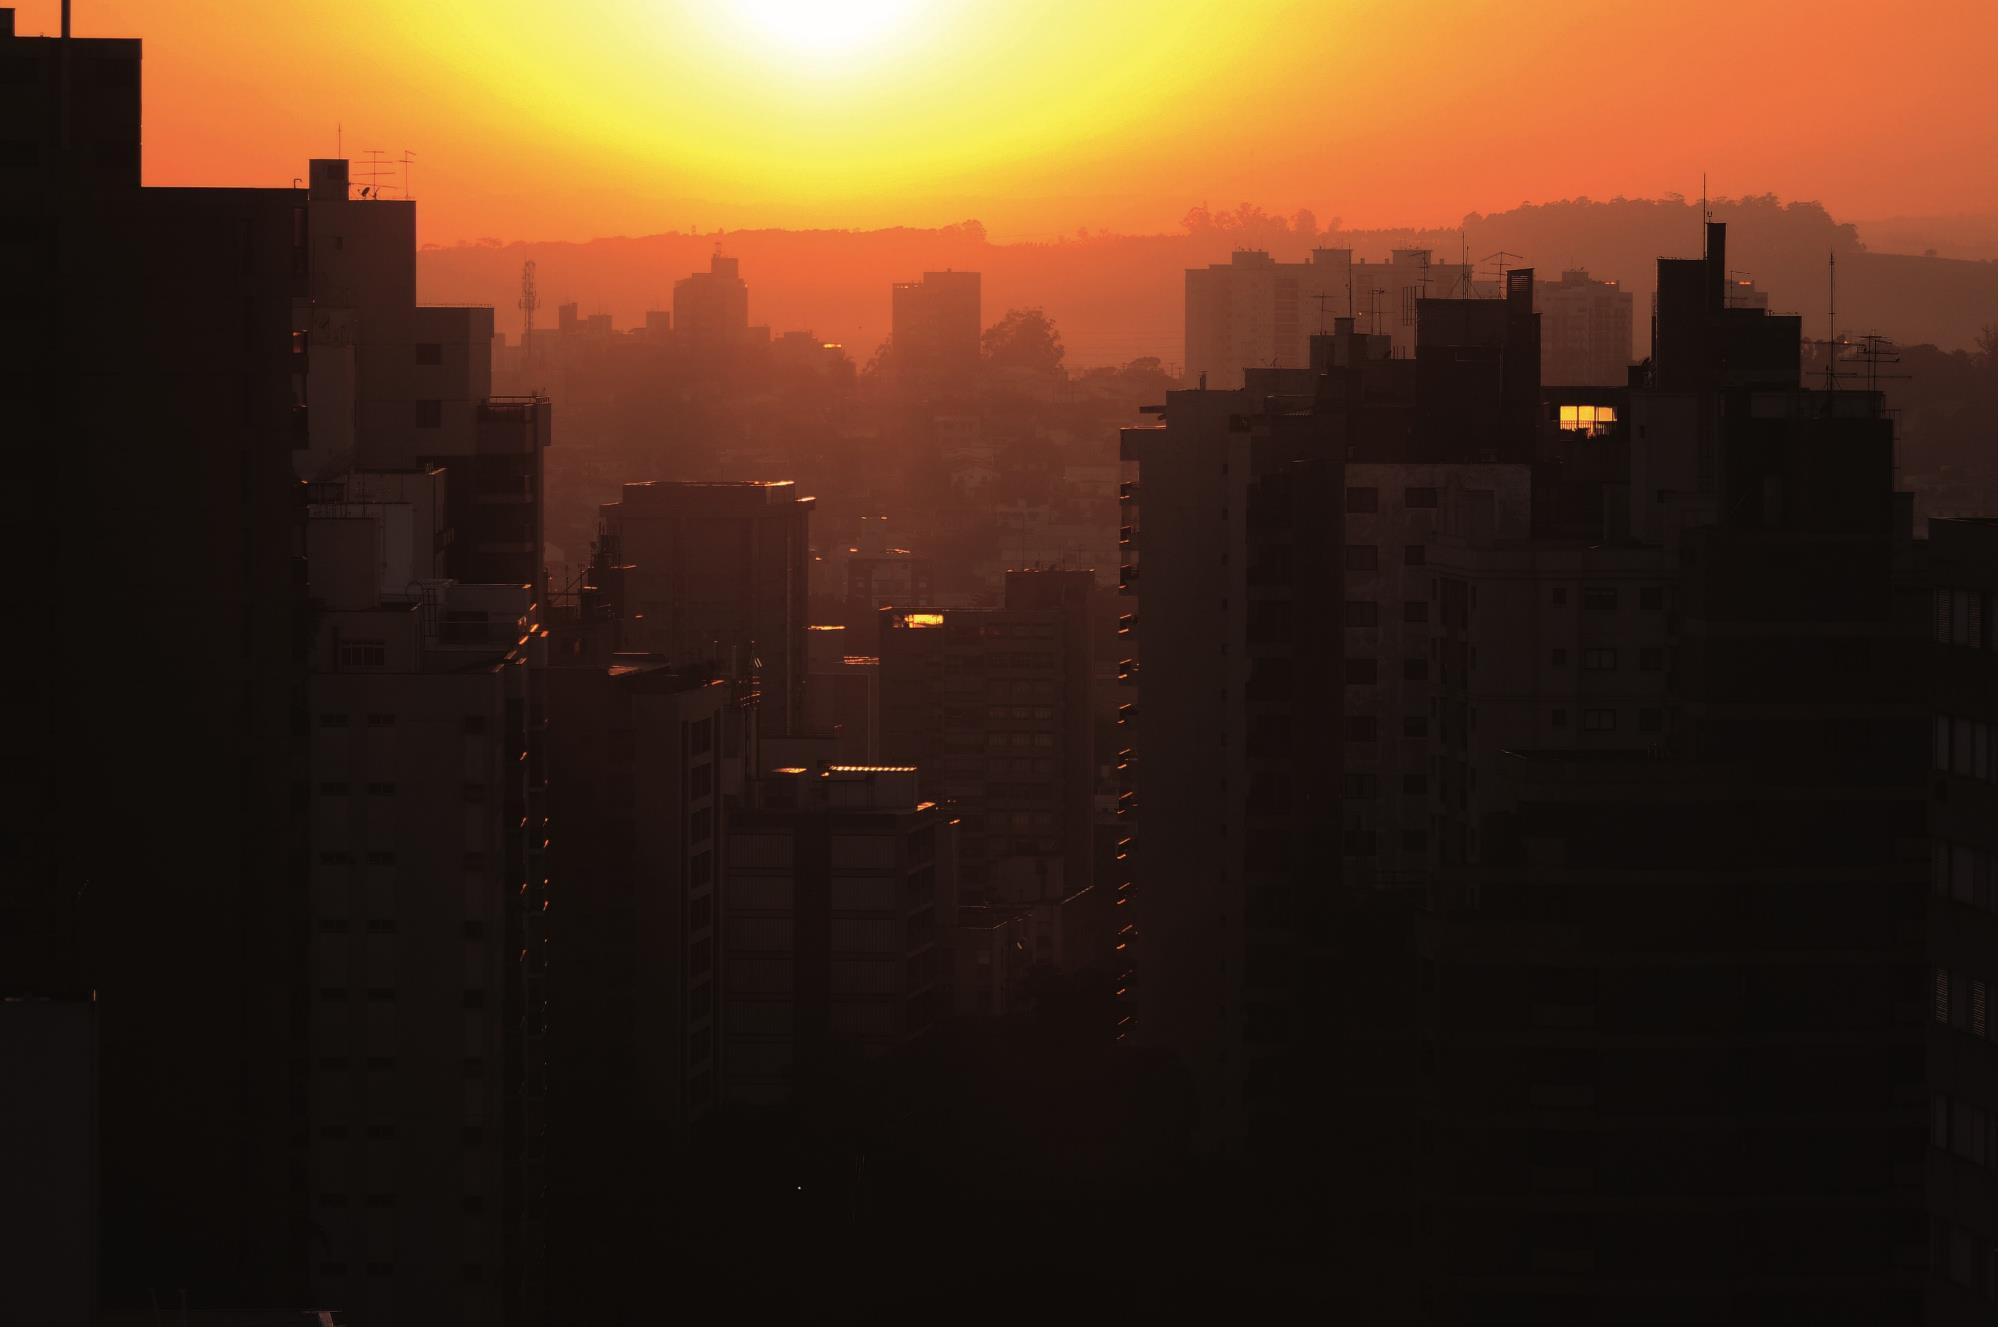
[
  {"x": 1255, "y": 312},
  {"x": 1428, "y": 812}
]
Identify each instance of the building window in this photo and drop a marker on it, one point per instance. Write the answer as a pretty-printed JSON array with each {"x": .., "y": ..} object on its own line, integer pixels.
[
  {"x": 1415, "y": 555},
  {"x": 1649, "y": 720},
  {"x": 1359, "y": 786},
  {"x": 1559, "y": 718},
  {"x": 1558, "y": 659},
  {"x": 1651, "y": 658},
  {"x": 1415, "y": 783},
  {"x": 1651, "y": 598},
  {"x": 1363, "y": 499},
  {"x": 1415, "y": 610},
  {"x": 1599, "y": 661},
  {"x": 1360, "y": 673},
  {"x": 1414, "y": 840},
  {"x": 1362, "y": 557},
  {"x": 1362, "y": 613},
  {"x": 363, "y": 654},
  {"x": 1359, "y": 843},
  {"x": 429, "y": 352},
  {"x": 1599, "y": 598},
  {"x": 381, "y": 790},
  {"x": 429, "y": 414},
  {"x": 1359, "y": 728},
  {"x": 1415, "y": 670},
  {"x": 1415, "y": 725},
  {"x": 1598, "y": 721},
  {"x": 1419, "y": 497}
]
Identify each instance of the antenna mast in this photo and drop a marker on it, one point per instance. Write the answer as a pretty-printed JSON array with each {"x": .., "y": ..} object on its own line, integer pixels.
[{"x": 529, "y": 302}]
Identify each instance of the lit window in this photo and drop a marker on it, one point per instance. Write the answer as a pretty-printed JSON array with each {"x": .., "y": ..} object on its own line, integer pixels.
[{"x": 1588, "y": 420}]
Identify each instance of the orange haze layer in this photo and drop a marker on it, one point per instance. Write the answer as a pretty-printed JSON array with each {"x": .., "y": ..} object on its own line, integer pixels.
[{"x": 602, "y": 117}]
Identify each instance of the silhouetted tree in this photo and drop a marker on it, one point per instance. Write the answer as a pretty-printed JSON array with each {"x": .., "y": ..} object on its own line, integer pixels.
[{"x": 1024, "y": 339}]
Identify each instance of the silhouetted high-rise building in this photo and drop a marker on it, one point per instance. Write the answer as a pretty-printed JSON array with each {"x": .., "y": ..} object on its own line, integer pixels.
[
  {"x": 935, "y": 326},
  {"x": 426, "y": 888},
  {"x": 715, "y": 572},
  {"x": 1673, "y": 1002},
  {"x": 711, "y": 308},
  {"x": 1585, "y": 331},
  {"x": 993, "y": 705},
  {"x": 147, "y": 342},
  {"x": 642, "y": 756},
  {"x": 841, "y": 903},
  {"x": 1963, "y": 923}
]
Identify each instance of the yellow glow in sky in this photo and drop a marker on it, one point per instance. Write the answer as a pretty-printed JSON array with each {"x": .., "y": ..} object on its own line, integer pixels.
[
  {"x": 823, "y": 28},
  {"x": 538, "y": 120}
]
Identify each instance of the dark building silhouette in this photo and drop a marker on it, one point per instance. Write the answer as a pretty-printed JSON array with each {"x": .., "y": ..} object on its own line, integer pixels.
[
  {"x": 934, "y": 328},
  {"x": 840, "y": 901},
  {"x": 993, "y": 706},
  {"x": 1963, "y": 932},
  {"x": 150, "y": 331},
  {"x": 711, "y": 308},
  {"x": 1672, "y": 996},
  {"x": 715, "y": 571},
  {"x": 643, "y": 756}
]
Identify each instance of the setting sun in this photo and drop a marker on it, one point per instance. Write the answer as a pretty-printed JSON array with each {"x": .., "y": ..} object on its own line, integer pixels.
[{"x": 821, "y": 29}]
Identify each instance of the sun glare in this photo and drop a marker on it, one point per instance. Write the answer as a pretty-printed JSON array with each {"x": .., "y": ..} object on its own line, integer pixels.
[{"x": 825, "y": 27}]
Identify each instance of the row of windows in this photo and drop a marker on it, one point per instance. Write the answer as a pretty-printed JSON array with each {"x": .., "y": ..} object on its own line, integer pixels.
[
  {"x": 1963, "y": 617},
  {"x": 1367, "y": 842},
  {"x": 1367, "y": 557},
  {"x": 1362, "y": 727},
  {"x": 997, "y": 740},
  {"x": 1604, "y": 598},
  {"x": 1367, "y": 613},
  {"x": 1963, "y": 1002},
  {"x": 1964, "y": 746},
  {"x": 1363, "y": 671},
  {"x": 474, "y": 1067},
  {"x": 1967, "y": 1130},
  {"x": 1650, "y": 659},
  {"x": 1368, "y": 500},
  {"x": 1362, "y": 785},
  {"x": 1964, "y": 873}
]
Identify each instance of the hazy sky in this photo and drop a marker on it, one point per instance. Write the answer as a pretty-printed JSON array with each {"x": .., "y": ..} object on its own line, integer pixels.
[{"x": 569, "y": 119}]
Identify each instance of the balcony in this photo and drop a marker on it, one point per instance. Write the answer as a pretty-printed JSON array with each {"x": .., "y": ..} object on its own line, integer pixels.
[
  {"x": 1127, "y": 672},
  {"x": 1127, "y": 624}
]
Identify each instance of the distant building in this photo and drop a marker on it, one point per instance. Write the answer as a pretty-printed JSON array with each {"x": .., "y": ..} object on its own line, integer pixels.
[
  {"x": 935, "y": 330},
  {"x": 993, "y": 705},
  {"x": 715, "y": 572},
  {"x": 841, "y": 905},
  {"x": 711, "y": 308},
  {"x": 1585, "y": 331},
  {"x": 1255, "y": 312}
]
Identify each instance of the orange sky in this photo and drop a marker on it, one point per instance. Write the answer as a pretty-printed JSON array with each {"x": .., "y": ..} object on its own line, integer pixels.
[{"x": 569, "y": 119}]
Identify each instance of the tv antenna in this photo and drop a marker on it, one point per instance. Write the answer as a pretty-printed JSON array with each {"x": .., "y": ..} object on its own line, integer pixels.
[{"x": 529, "y": 302}]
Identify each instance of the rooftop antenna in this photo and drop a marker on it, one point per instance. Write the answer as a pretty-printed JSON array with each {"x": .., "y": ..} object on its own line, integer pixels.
[
  {"x": 1322, "y": 297},
  {"x": 1706, "y": 215},
  {"x": 1831, "y": 318},
  {"x": 406, "y": 158},
  {"x": 529, "y": 302}
]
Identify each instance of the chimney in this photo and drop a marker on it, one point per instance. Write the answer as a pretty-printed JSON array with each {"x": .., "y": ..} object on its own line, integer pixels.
[
  {"x": 1716, "y": 265},
  {"x": 1519, "y": 290},
  {"x": 6, "y": 22},
  {"x": 326, "y": 178}
]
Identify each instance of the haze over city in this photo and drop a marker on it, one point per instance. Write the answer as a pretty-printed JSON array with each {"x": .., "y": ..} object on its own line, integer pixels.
[{"x": 814, "y": 661}]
